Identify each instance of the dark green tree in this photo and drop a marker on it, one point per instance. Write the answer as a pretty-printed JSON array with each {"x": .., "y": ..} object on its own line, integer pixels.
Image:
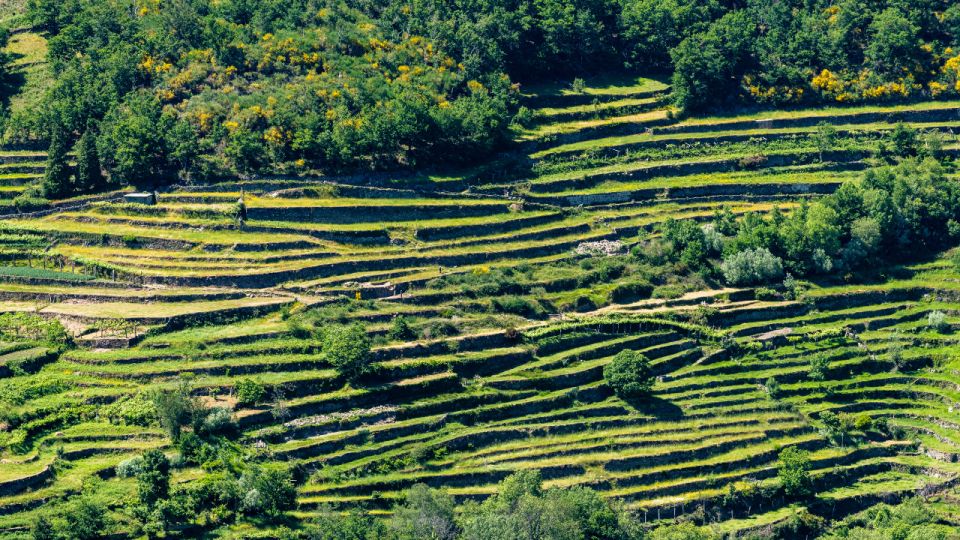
[
  {"x": 153, "y": 480},
  {"x": 629, "y": 374},
  {"x": 175, "y": 407},
  {"x": 267, "y": 491},
  {"x": 86, "y": 519},
  {"x": 348, "y": 351},
  {"x": 793, "y": 470},
  {"x": 134, "y": 143},
  {"x": 56, "y": 178},
  {"x": 425, "y": 513},
  {"x": 42, "y": 529},
  {"x": 89, "y": 176},
  {"x": 894, "y": 47}
]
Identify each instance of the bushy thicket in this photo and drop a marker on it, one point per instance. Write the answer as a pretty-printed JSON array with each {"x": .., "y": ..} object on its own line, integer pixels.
[
  {"x": 200, "y": 88},
  {"x": 891, "y": 214}
]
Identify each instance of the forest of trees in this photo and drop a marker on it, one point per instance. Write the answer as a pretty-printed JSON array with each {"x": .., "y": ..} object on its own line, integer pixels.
[{"x": 199, "y": 89}]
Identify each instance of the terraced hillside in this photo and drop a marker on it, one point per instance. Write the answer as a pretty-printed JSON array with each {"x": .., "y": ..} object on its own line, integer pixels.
[{"x": 494, "y": 300}]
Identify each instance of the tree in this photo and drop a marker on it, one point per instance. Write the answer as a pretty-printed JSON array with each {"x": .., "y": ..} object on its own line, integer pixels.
[
  {"x": 86, "y": 519},
  {"x": 42, "y": 529},
  {"x": 825, "y": 137},
  {"x": 175, "y": 407},
  {"x": 56, "y": 178},
  {"x": 250, "y": 392},
  {"x": 752, "y": 266},
  {"x": 153, "y": 478},
  {"x": 894, "y": 46},
  {"x": 425, "y": 513},
  {"x": 331, "y": 525},
  {"x": 712, "y": 63},
  {"x": 522, "y": 509},
  {"x": 629, "y": 374},
  {"x": 267, "y": 491},
  {"x": 348, "y": 351},
  {"x": 134, "y": 141},
  {"x": 681, "y": 531},
  {"x": 819, "y": 364},
  {"x": 793, "y": 470},
  {"x": 89, "y": 176},
  {"x": 400, "y": 329},
  {"x": 904, "y": 140}
]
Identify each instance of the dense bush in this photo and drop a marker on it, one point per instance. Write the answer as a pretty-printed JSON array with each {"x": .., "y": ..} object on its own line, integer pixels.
[
  {"x": 250, "y": 391},
  {"x": 752, "y": 266},
  {"x": 629, "y": 374},
  {"x": 793, "y": 469},
  {"x": 891, "y": 214},
  {"x": 199, "y": 88},
  {"x": 348, "y": 351}
]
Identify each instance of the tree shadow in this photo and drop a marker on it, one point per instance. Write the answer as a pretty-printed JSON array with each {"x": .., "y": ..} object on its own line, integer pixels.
[
  {"x": 12, "y": 79},
  {"x": 657, "y": 407}
]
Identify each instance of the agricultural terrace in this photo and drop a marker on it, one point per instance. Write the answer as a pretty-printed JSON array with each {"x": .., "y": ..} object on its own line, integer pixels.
[{"x": 492, "y": 301}]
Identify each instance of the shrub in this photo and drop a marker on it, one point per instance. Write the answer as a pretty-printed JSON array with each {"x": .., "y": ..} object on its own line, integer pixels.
[
  {"x": 348, "y": 351},
  {"x": 629, "y": 374},
  {"x": 400, "y": 329},
  {"x": 793, "y": 470},
  {"x": 772, "y": 388},
  {"x": 218, "y": 421},
  {"x": 267, "y": 491},
  {"x": 250, "y": 392},
  {"x": 752, "y": 162},
  {"x": 129, "y": 468},
  {"x": 818, "y": 367},
  {"x": 863, "y": 422},
  {"x": 752, "y": 266},
  {"x": 937, "y": 321},
  {"x": 153, "y": 479}
]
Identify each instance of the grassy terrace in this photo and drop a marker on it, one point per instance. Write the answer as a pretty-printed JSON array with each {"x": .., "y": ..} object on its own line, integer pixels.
[{"x": 494, "y": 378}]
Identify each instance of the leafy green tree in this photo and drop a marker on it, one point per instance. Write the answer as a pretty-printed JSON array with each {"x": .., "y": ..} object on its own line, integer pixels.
[
  {"x": 904, "y": 140},
  {"x": 43, "y": 529},
  {"x": 681, "y": 531},
  {"x": 650, "y": 28},
  {"x": 56, "y": 178},
  {"x": 400, "y": 329},
  {"x": 348, "y": 351},
  {"x": 89, "y": 176},
  {"x": 250, "y": 391},
  {"x": 134, "y": 141},
  {"x": 522, "y": 509},
  {"x": 711, "y": 63},
  {"x": 267, "y": 491},
  {"x": 331, "y": 525},
  {"x": 752, "y": 266},
  {"x": 175, "y": 407},
  {"x": 894, "y": 46},
  {"x": 86, "y": 519},
  {"x": 153, "y": 478},
  {"x": 819, "y": 364},
  {"x": 793, "y": 470},
  {"x": 629, "y": 374},
  {"x": 825, "y": 137},
  {"x": 425, "y": 513}
]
